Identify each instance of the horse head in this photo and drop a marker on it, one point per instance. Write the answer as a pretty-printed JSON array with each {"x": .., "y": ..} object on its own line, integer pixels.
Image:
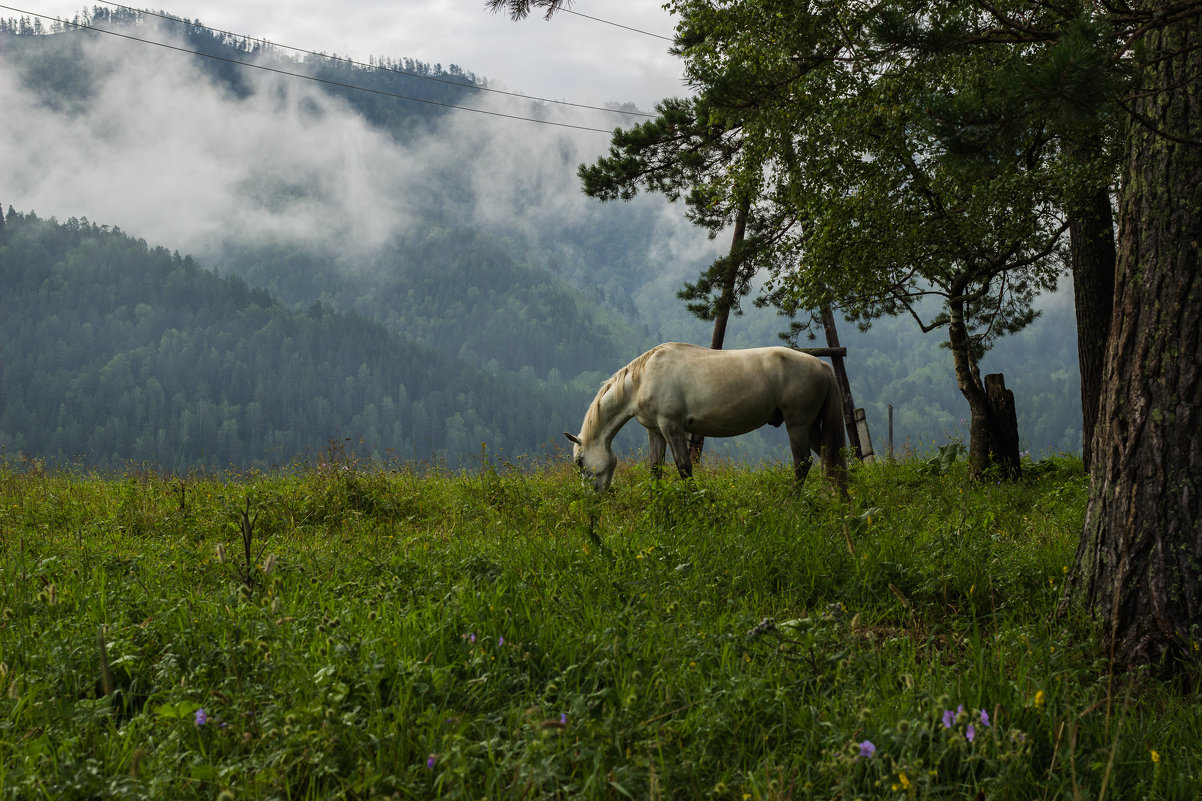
[{"x": 595, "y": 462}]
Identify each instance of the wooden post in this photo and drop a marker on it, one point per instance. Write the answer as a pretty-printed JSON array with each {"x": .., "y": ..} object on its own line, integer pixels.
[
  {"x": 849, "y": 414},
  {"x": 890, "y": 432},
  {"x": 862, "y": 431},
  {"x": 828, "y": 352}
]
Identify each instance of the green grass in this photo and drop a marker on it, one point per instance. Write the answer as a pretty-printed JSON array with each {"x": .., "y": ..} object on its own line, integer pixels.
[{"x": 507, "y": 634}]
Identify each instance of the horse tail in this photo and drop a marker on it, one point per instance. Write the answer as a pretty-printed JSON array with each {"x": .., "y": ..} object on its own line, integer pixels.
[{"x": 834, "y": 460}]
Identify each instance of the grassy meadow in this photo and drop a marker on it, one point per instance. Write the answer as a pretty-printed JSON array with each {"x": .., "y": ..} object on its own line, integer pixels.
[{"x": 347, "y": 631}]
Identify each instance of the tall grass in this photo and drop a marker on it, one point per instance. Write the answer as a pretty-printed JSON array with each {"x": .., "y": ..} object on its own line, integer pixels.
[{"x": 349, "y": 631}]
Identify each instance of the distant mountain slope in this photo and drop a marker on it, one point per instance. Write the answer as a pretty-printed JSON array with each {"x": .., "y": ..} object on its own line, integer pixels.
[
  {"x": 114, "y": 351},
  {"x": 57, "y": 63},
  {"x": 460, "y": 292}
]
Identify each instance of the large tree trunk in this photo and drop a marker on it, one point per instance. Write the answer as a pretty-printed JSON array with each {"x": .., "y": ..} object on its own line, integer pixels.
[
  {"x": 1139, "y": 564},
  {"x": 1091, "y": 236}
]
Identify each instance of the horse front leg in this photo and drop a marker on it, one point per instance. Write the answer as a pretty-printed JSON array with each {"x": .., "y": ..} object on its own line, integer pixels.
[
  {"x": 679, "y": 443},
  {"x": 656, "y": 444}
]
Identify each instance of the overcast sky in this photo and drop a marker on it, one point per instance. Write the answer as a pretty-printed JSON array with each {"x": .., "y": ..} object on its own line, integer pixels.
[{"x": 569, "y": 57}]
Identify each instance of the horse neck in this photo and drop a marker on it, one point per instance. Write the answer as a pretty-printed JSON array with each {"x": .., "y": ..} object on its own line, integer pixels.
[{"x": 612, "y": 410}]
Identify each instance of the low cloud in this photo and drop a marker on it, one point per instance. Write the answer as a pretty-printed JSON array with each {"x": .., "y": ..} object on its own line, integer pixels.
[{"x": 160, "y": 149}]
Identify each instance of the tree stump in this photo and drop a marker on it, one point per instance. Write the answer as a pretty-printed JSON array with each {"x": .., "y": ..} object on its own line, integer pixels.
[{"x": 1003, "y": 427}]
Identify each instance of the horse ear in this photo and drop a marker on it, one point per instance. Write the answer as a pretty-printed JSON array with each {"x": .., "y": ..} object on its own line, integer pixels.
[{"x": 573, "y": 438}]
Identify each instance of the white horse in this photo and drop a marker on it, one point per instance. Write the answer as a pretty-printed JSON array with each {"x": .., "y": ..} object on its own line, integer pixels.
[{"x": 675, "y": 390}]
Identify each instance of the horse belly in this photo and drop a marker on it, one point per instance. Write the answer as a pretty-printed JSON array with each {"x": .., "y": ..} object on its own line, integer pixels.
[{"x": 730, "y": 417}]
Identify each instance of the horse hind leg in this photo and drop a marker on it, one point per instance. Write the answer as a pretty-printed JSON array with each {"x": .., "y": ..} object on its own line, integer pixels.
[{"x": 799, "y": 444}]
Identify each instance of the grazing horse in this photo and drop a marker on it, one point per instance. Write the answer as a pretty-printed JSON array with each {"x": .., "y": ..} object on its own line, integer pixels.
[{"x": 675, "y": 390}]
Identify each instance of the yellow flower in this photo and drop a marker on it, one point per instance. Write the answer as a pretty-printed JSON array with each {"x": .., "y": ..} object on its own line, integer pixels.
[
  {"x": 902, "y": 783},
  {"x": 1040, "y": 698},
  {"x": 1155, "y": 755}
]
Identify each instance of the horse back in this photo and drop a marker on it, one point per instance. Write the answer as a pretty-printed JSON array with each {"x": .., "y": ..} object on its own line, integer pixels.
[{"x": 724, "y": 392}]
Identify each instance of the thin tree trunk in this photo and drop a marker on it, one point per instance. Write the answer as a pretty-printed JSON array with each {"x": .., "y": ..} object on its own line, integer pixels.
[
  {"x": 1139, "y": 565},
  {"x": 722, "y": 313},
  {"x": 968, "y": 379},
  {"x": 727, "y": 298}
]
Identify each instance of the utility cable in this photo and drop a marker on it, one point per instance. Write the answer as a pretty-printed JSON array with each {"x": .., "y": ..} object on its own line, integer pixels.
[
  {"x": 475, "y": 87},
  {"x": 616, "y": 25},
  {"x": 302, "y": 76}
]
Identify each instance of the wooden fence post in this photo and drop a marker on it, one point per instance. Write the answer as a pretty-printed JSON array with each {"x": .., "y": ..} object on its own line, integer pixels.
[{"x": 849, "y": 407}]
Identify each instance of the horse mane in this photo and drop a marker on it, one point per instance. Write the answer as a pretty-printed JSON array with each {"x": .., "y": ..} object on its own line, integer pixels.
[{"x": 617, "y": 383}]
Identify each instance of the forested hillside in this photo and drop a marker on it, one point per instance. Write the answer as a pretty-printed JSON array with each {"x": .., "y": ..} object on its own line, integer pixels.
[
  {"x": 460, "y": 291},
  {"x": 115, "y": 351},
  {"x": 423, "y": 279}
]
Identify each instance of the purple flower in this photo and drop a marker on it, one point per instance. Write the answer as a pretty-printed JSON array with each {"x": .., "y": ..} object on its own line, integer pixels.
[
  {"x": 471, "y": 637},
  {"x": 867, "y": 749},
  {"x": 563, "y": 718},
  {"x": 949, "y": 717},
  {"x": 201, "y": 717},
  {"x": 430, "y": 761},
  {"x": 985, "y": 718},
  {"x": 500, "y": 641},
  {"x": 971, "y": 733}
]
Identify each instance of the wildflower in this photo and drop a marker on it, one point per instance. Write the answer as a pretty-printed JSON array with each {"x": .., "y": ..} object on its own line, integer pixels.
[
  {"x": 201, "y": 717},
  {"x": 902, "y": 783},
  {"x": 867, "y": 749},
  {"x": 471, "y": 637},
  {"x": 500, "y": 641},
  {"x": 970, "y": 733},
  {"x": 1155, "y": 755},
  {"x": 985, "y": 719},
  {"x": 1040, "y": 699},
  {"x": 431, "y": 761},
  {"x": 949, "y": 718},
  {"x": 563, "y": 718}
]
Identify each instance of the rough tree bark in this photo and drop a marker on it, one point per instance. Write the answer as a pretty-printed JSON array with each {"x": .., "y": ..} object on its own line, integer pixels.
[{"x": 1139, "y": 565}]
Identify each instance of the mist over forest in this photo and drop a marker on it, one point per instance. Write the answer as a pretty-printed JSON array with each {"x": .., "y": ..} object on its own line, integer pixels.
[{"x": 209, "y": 265}]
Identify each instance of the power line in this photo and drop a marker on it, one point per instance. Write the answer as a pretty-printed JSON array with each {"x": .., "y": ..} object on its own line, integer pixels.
[
  {"x": 313, "y": 78},
  {"x": 617, "y": 25},
  {"x": 475, "y": 87}
]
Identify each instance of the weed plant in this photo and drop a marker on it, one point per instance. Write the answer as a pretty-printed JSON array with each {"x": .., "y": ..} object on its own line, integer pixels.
[{"x": 347, "y": 631}]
